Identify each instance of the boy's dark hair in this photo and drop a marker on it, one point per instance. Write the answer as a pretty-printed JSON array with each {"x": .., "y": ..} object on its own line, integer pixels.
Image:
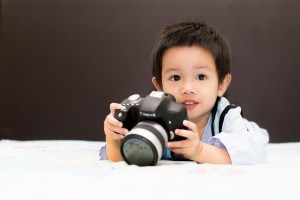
[{"x": 191, "y": 33}]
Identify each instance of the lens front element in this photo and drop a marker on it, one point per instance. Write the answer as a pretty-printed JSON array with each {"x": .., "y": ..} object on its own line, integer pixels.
[{"x": 139, "y": 151}]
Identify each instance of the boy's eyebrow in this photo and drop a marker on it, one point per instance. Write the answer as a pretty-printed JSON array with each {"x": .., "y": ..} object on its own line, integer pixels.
[
  {"x": 201, "y": 66},
  {"x": 176, "y": 69},
  {"x": 170, "y": 70},
  {"x": 205, "y": 67}
]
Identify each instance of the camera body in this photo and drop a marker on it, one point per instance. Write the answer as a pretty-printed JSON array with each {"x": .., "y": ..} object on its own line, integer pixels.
[{"x": 151, "y": 122}]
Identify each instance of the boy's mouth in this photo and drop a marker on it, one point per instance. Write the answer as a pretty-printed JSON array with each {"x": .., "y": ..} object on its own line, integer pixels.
[{"x": 189, "y": 104}]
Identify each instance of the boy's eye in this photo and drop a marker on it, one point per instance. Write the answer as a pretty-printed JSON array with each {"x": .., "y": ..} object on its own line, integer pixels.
[
  {"x": 175, "y": 78},
  {"x": 201, "y": 77}
]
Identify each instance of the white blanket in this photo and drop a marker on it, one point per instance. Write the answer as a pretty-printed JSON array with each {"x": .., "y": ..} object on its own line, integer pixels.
[{"x": 71, "y": 170}]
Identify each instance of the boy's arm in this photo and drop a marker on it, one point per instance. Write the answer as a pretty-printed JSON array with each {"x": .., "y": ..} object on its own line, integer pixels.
[
  {"x": 212, "y": 154},
  {"x": 114, "y": 133},
  {"x": 113, "y": 150}
]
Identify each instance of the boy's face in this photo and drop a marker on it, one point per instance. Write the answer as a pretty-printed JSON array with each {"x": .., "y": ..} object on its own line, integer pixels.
[{"x": 189, "y": 73}]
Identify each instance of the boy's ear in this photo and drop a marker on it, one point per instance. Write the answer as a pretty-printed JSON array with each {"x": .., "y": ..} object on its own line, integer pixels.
[
  {"x": 224, "y": 85},
  {"x": 156, "y": 85}
]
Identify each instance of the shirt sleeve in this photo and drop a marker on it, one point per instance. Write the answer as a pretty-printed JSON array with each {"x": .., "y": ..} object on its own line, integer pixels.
[
  {"x": 166, "y": 154},
  {"x": 245, "y": 141},
  {"x": 102, "y": 153}
]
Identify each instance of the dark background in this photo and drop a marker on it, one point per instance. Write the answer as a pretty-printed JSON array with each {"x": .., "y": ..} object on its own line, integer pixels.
[{"x": 63, "y": 61}]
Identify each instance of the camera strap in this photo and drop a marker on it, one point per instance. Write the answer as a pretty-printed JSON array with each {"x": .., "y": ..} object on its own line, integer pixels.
[
  {"x": 219, "y": 112},
  {"x": 213, "y": 114}
]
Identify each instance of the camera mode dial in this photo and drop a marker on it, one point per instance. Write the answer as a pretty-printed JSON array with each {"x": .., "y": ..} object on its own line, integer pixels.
[{"x": 134, "y": 98}]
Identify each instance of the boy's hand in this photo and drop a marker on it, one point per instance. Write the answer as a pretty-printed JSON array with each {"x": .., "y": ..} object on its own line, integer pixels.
[
  {"x": 190, "y": 148},
  {"x": 112, "y": 127}
]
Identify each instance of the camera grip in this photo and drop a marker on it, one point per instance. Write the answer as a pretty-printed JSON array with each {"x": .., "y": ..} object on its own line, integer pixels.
[{"x": 120, "y": 115}]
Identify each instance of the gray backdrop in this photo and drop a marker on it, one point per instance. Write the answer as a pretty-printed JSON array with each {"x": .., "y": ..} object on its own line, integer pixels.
[{"x": 63, "y": 61}]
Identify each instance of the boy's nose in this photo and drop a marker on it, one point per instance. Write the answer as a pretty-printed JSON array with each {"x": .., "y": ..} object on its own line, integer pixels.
[{"x": 188, "y": 88}]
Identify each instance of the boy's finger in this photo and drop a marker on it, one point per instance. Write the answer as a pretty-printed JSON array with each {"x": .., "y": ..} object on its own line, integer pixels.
[
  {"x": 116, "y": 129},
  {"x": 114, "y": 125},
  {"x": 113, "y": 107},
  {"x": 112, "y": 120},
  {"x": 175, "y": 144},
  {"x": 190, "y": 125},
  {"x": 112, "y": 134},
  {"x": 184, "y": 133}
]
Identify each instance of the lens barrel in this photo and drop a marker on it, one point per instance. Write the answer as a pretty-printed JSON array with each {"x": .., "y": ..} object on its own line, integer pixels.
[{"x": 144, "y": 144}]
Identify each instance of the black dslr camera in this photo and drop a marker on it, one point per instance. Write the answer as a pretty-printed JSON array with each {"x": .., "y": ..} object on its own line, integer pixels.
[{"x": 151, "y": 122}]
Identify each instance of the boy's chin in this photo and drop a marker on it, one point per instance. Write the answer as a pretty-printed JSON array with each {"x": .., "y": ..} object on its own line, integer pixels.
[{"x": 195, "y": 118}]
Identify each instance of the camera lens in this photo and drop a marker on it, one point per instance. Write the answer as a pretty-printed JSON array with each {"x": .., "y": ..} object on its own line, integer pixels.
[
  {"x": 144, "y": 144},
  {"x": 138, "y": 151}
]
